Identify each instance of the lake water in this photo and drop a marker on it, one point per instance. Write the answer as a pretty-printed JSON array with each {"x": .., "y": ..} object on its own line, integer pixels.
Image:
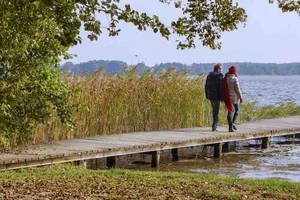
[
  {"x": 272, "y": 90},
  {"x": 246, "y": 159}
]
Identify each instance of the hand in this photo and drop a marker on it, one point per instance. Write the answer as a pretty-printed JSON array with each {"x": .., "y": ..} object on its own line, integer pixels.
[{"x": 241, "y": 100}]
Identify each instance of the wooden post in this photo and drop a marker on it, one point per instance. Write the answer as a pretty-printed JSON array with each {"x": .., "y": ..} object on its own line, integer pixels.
[
  {"x": 218, "y": 150},
  {"x": 90, "y": 164},
  {"x": 94, "y": 163},
  {"x": 225, "y": 147},
  {"x": 111, "y": 162},
  {"x": 155, "y": 159},
  {"x": 265, "y": 142},
  {"x": 175, "y": 156},
  {"x": 80, "y": 163},
  {"x": 235, "y": 144},
  {"x": 98, "y": 162}
]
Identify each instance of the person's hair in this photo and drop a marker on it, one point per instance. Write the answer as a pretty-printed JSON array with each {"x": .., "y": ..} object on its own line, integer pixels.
[{"x": 217, "y": 66}]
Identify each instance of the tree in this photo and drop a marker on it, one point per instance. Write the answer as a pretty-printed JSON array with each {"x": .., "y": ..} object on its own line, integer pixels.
[
  {"x": 288, "y": 5},
  {"x": 35, "y": 34},
  {"x": 31, "y": 42}
]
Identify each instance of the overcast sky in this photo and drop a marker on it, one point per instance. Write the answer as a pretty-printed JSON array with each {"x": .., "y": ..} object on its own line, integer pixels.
[{"x": 270, "y": 36}]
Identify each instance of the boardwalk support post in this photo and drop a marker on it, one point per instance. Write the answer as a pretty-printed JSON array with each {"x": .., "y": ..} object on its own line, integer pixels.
[
  {"x": 98, "y": 162},
  {"x": 81, "y": 163},
  {"x": 111, "y": 162},
  {"x": 265, "y": 142},
  {"x": 175, "y": 156},
  {"x": 94, "y": 163},
  {"x": 155, "y": 159},
  {"x": 218, "y": 150},
  {"x": 225, "y": 147}
]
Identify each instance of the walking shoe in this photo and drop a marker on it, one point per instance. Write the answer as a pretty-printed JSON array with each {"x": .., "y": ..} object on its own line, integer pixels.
[
  {"x": 233, "y": 121},
  {"x": 234, "y": 126},
  {"x": 215, "y": 128}
]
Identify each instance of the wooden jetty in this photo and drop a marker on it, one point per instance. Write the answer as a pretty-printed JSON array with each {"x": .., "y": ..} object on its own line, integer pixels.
[{"x": 90, "y": 149}]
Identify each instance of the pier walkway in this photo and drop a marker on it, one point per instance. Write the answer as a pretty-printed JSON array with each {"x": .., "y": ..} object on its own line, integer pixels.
[{"x": 152, "y": 142}]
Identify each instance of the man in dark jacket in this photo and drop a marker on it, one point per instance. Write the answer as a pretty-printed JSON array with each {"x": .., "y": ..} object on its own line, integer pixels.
[{"x": 214, "y": 92}]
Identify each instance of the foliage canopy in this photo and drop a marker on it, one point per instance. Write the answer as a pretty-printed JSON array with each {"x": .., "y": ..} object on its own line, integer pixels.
[{"x": 35, "y": 34}]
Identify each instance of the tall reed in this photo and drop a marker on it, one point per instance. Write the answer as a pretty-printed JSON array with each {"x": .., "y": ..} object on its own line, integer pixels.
[{"x": 112, "y": 104}]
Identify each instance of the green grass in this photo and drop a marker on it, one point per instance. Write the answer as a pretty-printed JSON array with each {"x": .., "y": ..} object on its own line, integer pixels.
[{"x": 70, "y": 182}]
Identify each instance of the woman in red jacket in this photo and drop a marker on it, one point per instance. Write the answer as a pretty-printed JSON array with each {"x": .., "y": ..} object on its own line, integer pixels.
[{"x": 232, "y": 96}]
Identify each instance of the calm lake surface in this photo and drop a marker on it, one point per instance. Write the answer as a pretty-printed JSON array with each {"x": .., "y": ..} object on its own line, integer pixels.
[{"x": 273, "y": 90}]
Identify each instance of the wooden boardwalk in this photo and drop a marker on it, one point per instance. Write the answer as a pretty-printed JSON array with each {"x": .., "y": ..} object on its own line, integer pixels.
[{"x": 141, "y": 142}]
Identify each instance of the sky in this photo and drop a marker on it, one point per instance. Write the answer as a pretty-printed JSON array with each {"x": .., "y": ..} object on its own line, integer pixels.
[{"x": 269, "y": 36}]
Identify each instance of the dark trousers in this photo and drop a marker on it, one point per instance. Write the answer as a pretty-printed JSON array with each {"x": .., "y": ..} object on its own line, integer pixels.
[
  {"x": 236, "y": 110},
  {"x": 215, "y": 104}
]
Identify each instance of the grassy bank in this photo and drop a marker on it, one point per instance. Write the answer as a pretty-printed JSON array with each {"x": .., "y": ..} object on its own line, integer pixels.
[
  {"x": 69, "y": 182},
  {"x": 112, "y": 104}
]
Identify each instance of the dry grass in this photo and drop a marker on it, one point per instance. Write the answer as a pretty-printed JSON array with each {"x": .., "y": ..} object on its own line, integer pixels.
[
  {"x": 112, "y": 104},
  {"x": 69, "y": 182}
]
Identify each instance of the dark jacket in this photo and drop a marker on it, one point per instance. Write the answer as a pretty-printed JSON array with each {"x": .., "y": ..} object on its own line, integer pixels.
[{"x": 214, "y": 86}]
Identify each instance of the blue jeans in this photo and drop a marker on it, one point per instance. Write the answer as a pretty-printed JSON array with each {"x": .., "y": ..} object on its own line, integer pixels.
[
  {"x": 236, "y": 110},
  {"x": 215, "y": 104}
]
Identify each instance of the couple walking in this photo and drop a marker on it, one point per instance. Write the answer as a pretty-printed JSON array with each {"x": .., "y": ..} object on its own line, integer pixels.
[{"x": 225, "y": 89}]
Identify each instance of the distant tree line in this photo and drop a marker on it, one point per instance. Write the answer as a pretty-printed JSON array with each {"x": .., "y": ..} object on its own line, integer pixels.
[{"x": 244, "y": 68}]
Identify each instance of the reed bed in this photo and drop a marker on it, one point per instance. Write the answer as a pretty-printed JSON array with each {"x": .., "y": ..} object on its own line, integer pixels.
[{"x": 112, "y": 104}]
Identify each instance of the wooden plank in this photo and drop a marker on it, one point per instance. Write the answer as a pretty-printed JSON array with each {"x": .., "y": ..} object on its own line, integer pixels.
[
  {"x": 68, "y": 158},
  {"x": 208, "y": 138},
  {"x": 131, "y": 143}
]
